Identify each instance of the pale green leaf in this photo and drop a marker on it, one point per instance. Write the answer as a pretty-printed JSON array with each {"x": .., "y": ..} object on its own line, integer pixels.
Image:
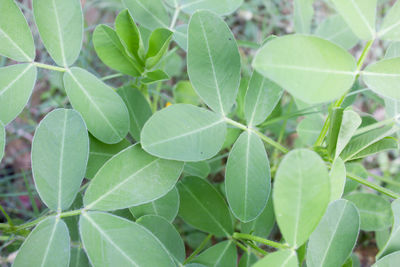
[
  {"x": 166, "y": 207},
  {"x": 301, "y": 195},
  {"x": 78, "y": 258},
  {"x": 15, "y": 36},
  {"x": 213, "y": 61},
  {"x": 391, "y": 260},
  {"x": 360, "y": 15},
  {"x": 150, "y": 14},
  {"x": 350, "y": 123},
  {"x": 382, "y": 236},
  {"x": 203, "y": 207},
  {"x": 310, "y": 68},
  {"x": 103, "y": 110},
  {"x": 261, "y": 98},
  {"x": 185, "y": 94},
  {"x": 337, "y": 177},
  {"x": 60, "y": 151},
  {"x": 390, "y": 29},
  {"x": 47, "y": 245},
  {"x": 334, "y": 129},
  {"x": 335, "y": 236},
  {"x": 2, "y": 140},
  {"x": 281, "y": 258},
  {"x": 221, "y": 7},
  {"x": 60, "y": 25},
  {"x": 181, "y": 36},
  {"x": 222, "y": 254},
  {"x": 393, "y": 243},
  {"x": 184, "y": 132},
  {"x": 143, "y": 180},
  {"x": 375, "y": 211},
  {"x": 309, "y": 129},
  {"x": 387, "y": 143},
  {"x": 158, "y": 45},
  {"x": 167, "y": 234},
  {"x": 303, "y": 15},
  {"x": 126, "y": 243},
  {"x": 200, "y": 169},
  {"x": 16, "y": 85},
  {"x": 247, "y": 177},
  {"x": 393, "y": 50},
  {"x": 155, "y": 76},
  {"x": 262, "y": 226}
]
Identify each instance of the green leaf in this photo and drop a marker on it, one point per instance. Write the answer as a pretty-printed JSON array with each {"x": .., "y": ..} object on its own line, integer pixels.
[
  {"x": 203, "y": 207},
  {"x": 104, "y": 112},
  {"x": 349, "y": 124},
  {"x": 334, "y": 129},
  {"x": 166, "y": 207},
  {"x": 2, "y": 140},
  {"x": 167, "y": 234},
  {"x": 247, "y": 259},
  {"x": 387, "y": 143},
  {"x": 335, "y": 236},
  {"x": 303, "y": 15},
  {"x": 78, "y": 258},
  {"x": 133, "y": 184},
  {"x": 391, "y": 260},
  {"x": 158, "y": 45},
  {"x": 150, "y": 14},
  {"x": 390, "y": 29},
  {"x": 337, "y": 178},
  {"x": 213, "y": 61},
  {"x": 15, "y": 36},
  {"x": 393, "y": 50},
  {"x": 47, "y": 245},
  {"x": 138, "y": 107},
  {"x": 155, "y": 77},
  {"x": 375, "y": 211},
  {"x": 113, "y": 53},
  {"x": 309, "y": 129},
  {"x": 360, "y": 15},
  {"x": 200, "y": 169},
  {"x": 281, "y": 258},
  {"x": 383, "y": 77},
  {"x": 220, "y": 255},
  {"x": 220, "y": 7},
  {"x": 16, "y": 85},
  {"x": 262, "y": 96},
  {"x": 306, "y": 65},
  {"x": 129, "y": 34},
  {"x": 60, "y": 151},
  {"x": 126, "y": 243},
  {"x": 301, "y": 195},
  {"x": 392, "y": 108},
  {"x": 184, "y": 132},
  {"x": 262, "y": 226},
  {"x": 247, "y": 177},
  {"x": 328, "y": 29},
  {"x": 185, "y": 94},
  {"x": 393, "y": 243},
  {"x": 60, "y": 25},
  {"x": 181, "y": 36},
  {"x": 100, "y": 153}
]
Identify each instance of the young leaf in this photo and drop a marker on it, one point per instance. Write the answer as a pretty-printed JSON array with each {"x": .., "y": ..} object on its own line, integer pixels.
[
  {"x": 393, "y": 243},
  {"x": 281, "y": 258},
  {"x": 126, "y": 243},
  {"x": 349, "y": 124},
  {"x": 360, "y": 15},
  {"x": 303, "y": 15},
  {"x": 203, "y": 207},
  {"x": 220, "y": 7},
  {"x": 150, "y": 14},
  {"x": 219, "y": 255},
  {"x": 310, "y": 68},
  {"x": 262, "y": 226},
  {"x": 16, "y": 85},
  {"x": 112, "y": 52},
  {"x": 2, "y": 140},
  {"x": 166, "y": 207},
  {"x": 337, "y": 177},
  {"x": 328, "y": 29},
  {"x": 155, "y": 77},
  {"x": 390, "y": 260},
  {"x": 390, "y": 29},
  {"x": 184, "y": 132},
  {"x": 247, "y": 177},
  {"x": 47, "y": 245},
  {"x": 262, "y": 96},
  {"x": 145, "y": 179},
  {"x": 104, "y": 112},
  {"x": 15, "y": 36},
  {"x": 60, "y": 25},
  {"x": 78, "y": 258},
  {"x": 100, "y": 153},
  {"x": 167, "y": 234},
  {"x": 200, "y": 169},
  {"x": 158, "y": 44},
  {"x": 301, "y": 195},
  {"x": 375, "y": 211},
  {"x": 335, "y": 236},
  {"x": 60, "y": 151},
  {"x": 213, "y": 61},
  {"x": 387, "y": 143}
]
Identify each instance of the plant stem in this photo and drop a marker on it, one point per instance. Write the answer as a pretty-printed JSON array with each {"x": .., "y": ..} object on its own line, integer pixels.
[
  {"x": 383, "y": 179},
  {"x": 373, "y": 186},
  {"x": 198, "y": 249},
  {"x": 253, "y": 246},
  {"x": 260, "y": 240},
  {"x": 49, "y": 67}
]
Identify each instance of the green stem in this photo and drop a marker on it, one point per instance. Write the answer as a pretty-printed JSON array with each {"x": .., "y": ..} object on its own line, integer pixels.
[
  {"x": 49, "y": 67},
  {"x": 198, "y": 249},
  {"x": 253, "y": 246},
  {"x": 260, "y": 240},
  {"x": 383, "y": 179},
  {"x": 373, "y": 186},
  {"x": 8, "y": 218}
]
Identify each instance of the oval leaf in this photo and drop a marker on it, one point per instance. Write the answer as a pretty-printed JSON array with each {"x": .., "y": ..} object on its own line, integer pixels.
[
  {"x": 335, "y": 236},
  {"x": 213, "y": 61},
  {"x": 301, "y": 195},
  {"x": 303, "y": 15},
  {"x": 103, "y": 110},
  {"x": 220, "y": 255},
  {"x": 220, "y": 7},
  {"x": 60, "y": 25},
  {"x": 393, "y": 243},
  {"x": 262, "y": 226},
  {"x": 247, "y": 177},
  {"x": 282, "y": 258},
  {"x": 200, "y": 169},
  {"x": 337, "y": 178},
  {"x": 127, "y": 243},
  {"x": 390, "y": 260},
  {"x": 203, "y": 207},
  {"x": 149, "y": 14},
  {"x": 390, "y": 29},
  {"x": 15, "y": 36},
  {"x": 16, "y": 85},
  {"x": 349, "y": 124},
  {"x": 78, "y": 258},
  {"x": 60, "y": 151},
  {"x": 305, "y": 65},
  {"x": 184, "y": 132},
  {"x": 47, "y": 245},
  {"x": 143, "y": 180}
]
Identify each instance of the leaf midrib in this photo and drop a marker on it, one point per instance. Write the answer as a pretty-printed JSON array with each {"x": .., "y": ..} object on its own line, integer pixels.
[{"x": 60, "y": 166}]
